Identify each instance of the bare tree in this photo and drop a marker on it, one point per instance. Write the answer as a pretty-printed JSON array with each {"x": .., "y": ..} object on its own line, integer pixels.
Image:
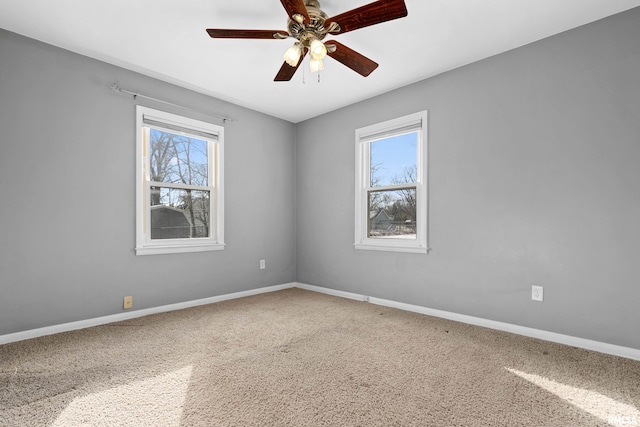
[
  {"x": 407, "y": 200},
  {"x": 378, "y": 199}
]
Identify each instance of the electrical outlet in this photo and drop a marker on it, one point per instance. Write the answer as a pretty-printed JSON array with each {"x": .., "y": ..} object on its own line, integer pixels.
[
  {"x": 127, "y": 303},
  {"x": 263, "y": 264},
  {"x": 536, "y": 293}
]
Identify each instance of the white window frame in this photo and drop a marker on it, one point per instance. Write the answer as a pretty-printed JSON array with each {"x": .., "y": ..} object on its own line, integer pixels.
[
  {"x": 416, "y": 122},
  {"x": 144, "y": 244}
]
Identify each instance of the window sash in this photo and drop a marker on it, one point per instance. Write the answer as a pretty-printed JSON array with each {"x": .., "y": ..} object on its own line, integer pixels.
[
  {"x": 392, "y": 227},
  {"x": 180, "y": 186},
  {"x": 364, "y": 198},
  {"x": 402, "y": 186}
]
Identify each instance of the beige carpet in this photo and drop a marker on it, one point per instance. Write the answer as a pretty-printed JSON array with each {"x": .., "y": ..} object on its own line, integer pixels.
[{"x": 299, "y": 358}]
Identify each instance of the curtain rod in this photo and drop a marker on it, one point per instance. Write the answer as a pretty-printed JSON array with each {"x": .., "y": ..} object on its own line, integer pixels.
[{"x": 135, "y": 95}]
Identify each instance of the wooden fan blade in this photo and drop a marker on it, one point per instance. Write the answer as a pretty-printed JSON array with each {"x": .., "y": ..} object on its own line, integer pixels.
[
  {"x": 287, "y": 71},
  {"x": 369, "y": 14},
  {"x": 218, "y": 33},
  {"x": 296, "y": 7},
  {"x": 352, "y": 59}
]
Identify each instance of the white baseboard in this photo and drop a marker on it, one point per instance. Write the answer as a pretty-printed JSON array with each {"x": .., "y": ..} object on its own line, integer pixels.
[
  {"x": 615, "y": 350},
  {"x": 81, "y": 324},
  {"x": 333, "y": 292}
]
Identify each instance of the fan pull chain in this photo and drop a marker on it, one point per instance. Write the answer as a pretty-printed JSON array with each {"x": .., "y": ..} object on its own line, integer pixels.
[{"x": 303, "y": 76}]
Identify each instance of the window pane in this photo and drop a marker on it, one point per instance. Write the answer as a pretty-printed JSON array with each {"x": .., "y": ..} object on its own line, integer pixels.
[
  {"x": 393, "y": 160},
  {"x": 178, "y": 159},
  {"x": 179, "y": 214},
  {"x": 392, "y": 214}
]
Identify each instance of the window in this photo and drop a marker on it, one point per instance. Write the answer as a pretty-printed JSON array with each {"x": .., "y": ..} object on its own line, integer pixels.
[
  {"x": 391, "y": 185},
  {"x": 179, "y": 190}
]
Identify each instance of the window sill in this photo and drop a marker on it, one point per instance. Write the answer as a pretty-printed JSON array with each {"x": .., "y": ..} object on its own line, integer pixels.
[
  {"x": 391, "y": 248},
  {"x": 177, "y": 249}
]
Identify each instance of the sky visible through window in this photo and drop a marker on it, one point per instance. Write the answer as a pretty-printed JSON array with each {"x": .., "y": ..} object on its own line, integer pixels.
[{"x": 392, "y": 157}]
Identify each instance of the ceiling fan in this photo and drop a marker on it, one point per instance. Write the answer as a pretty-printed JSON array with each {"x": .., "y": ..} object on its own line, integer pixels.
[{"x": 309, "y": 25}]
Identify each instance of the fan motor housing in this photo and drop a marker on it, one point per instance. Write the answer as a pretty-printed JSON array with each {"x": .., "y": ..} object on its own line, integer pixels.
[{"x": 313, "y": 29}]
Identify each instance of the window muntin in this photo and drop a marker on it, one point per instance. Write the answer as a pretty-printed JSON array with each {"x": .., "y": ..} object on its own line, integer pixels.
[
  {"x": 391, "y": 192},
  {"x": 180, "y": 193}
]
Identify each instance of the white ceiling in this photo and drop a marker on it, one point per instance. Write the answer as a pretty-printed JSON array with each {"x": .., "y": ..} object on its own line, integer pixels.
[{"x": 166, "y": 39}]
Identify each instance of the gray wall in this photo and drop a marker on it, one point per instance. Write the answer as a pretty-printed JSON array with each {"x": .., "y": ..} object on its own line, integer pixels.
[
  {"x": 67, "y": 218},
  {"x": 534, "y": 178}
]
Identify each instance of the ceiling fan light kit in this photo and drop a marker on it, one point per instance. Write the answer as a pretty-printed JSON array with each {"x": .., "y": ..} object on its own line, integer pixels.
[
  {"x": 317, "y": 49},
  {"x": 293, "y": 54},
  {"x": 309, "y": 25},
  {"x": 316, "y": 65}
]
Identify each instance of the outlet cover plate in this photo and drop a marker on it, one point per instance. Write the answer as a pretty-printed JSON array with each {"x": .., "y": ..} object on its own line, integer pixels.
[
  {"x": 127, "y": 302},
  {"x": 537, "y": 293}
]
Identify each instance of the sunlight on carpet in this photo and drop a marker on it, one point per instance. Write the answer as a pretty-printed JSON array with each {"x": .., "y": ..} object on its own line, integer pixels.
[
  {"x": 596, "y": 404},
  {"x": 156, "y": 401}
]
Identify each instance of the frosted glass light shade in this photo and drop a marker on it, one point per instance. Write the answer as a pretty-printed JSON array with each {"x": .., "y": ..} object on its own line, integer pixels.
[
  {"x": 316, "y": 65},
  {"x": 317, "y": 49},
  {"x": 293, "y": 54}
]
